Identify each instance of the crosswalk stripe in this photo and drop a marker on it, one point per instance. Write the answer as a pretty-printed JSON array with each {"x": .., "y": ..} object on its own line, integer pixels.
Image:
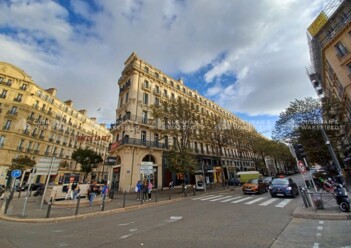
[
  {"x": 231, "y": 199},
  {"x": 221, "y": 198},
  {"x": 283, "y": 203},
  {"x": 256, "y": 200},
  {"x": 268, "y": 202},
  {"x": 240, "y": 200},
  {"x": 209, "y": 198},
  {"x": 198, "y": 198}
]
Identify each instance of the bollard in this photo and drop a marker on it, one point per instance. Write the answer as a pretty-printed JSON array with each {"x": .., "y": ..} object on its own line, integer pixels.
[
  {"x": 7, "y": 204},
  {"x": 77, "y": 206},
  {"x": 103, "y": 202},
  {"x": 49, "y": 208},
  {"x": 156, "y": 195},
  {"x": 185, "y": 191},
  {"x": 194, "y": 190},
  {"x": 124, "y": 199}
]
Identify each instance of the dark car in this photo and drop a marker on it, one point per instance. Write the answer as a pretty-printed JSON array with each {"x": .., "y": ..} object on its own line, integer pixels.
[
  {"x": 234, "y": 181},
  {"x": 285, "y": 187}
]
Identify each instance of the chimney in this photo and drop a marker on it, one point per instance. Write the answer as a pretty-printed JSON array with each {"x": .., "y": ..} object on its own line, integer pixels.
[
  {"x": 83, "y": 112},
  {"x": 51, "y": 91},
  {"x": 69, "y": 103}
]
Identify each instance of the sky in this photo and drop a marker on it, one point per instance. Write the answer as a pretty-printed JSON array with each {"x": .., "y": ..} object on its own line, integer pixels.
[{"x": 248, "y": 56}]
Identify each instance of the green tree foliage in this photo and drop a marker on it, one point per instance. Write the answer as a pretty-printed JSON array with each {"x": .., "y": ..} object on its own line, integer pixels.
[
  {"x": 21, "y": 163},
  {"x": 87, "y": 158},
  {"x": 300, "y": 123},
  {"x": 179, "y": 120}
]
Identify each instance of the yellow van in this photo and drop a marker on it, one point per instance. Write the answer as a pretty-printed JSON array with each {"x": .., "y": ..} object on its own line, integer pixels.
[{"x": 245, "y": 176}]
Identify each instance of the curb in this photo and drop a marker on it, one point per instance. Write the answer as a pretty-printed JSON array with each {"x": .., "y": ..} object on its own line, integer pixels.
[
  {"x": 88, "y": 215},
  {"x": 302, "y": 212}
]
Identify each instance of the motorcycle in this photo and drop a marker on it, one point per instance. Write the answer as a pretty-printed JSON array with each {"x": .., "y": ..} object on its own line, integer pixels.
[
  {"x": 39, "y": 192},
  {"x": 341, "y": 197}
]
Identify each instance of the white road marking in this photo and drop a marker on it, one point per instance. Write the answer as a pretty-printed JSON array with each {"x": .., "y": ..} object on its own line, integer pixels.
[
  {"x": 241, "y": 200},
  {"x": 198, "y": 198},
  {"x": 231, "y": 199},
  {"x": 318, "y": 234},
  {"x": 283, "y": 203},
  {"x": 266, "y": 203},
  {"x": 209, "y": 198},
  {"x": 316, "y": 245},
  {"x": 125, "y": 224},
  {"x": 256, "y": 200},
  {"x": 321, "y": 222},
  {"x": 221, "y": 198},
  {"x": 133, "y": 230},
  {"x": 319, "y": 228},
  {"x": 125, "y": 236}
]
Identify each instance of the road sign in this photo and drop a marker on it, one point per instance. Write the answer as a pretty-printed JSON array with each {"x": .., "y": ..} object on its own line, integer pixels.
[
  {"x": 16, "y": 173},
  {"x": 44, "y": 164},
  {"x": 301, "y": 167}
]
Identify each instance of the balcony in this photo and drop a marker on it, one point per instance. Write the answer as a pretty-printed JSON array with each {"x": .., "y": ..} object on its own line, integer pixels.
[
  {"x": 11, "y": 114},
  {"x": 47, "y": 153},
  {"x": 34, "y": 134},
  {"x": 3, "y": 96},
  {"x": 157, "y": 92},
  {"x": 146, "y": 87},
  {"x": 20, "y": 148},
  {"x": 23, "y": 87},
  {"x": 140, "y": 142},
  {"x": 29, "y": 150},
  {"x": 17, "y": 99},
  {"x": 30, "y": 119},
  {"x": 35, "y": 106},
  {"x": 26, "y": 132},
  {"x": 36, "y": 151},
  {"x": 51, "y": 139},
  {"x": 41, "y": 137},
  {"x": 58, "y": 142}
]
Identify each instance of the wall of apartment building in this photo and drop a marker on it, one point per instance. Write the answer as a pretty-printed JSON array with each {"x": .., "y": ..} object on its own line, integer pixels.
[
  {"x": 141, "y": 85},
  {"x": 42, "y": 125}
]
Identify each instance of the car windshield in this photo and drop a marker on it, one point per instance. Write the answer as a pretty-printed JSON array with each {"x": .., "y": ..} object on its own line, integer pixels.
[
  {"x": 254, "y": 181},
  {"x": 280, "y": 181}
]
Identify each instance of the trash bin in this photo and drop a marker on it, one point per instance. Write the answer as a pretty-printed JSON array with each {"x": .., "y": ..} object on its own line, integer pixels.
[{"x": 317, "y": 201}]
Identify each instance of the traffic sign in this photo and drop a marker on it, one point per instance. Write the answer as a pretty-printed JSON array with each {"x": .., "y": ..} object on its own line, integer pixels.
[
  {"x": 44, "y": 164},
  {"x": 301, "y": 167},
  {"x": 16, "y": 173}
]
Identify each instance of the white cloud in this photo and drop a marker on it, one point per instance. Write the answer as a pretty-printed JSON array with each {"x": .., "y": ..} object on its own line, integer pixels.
[{"x": 263, "y": 43}]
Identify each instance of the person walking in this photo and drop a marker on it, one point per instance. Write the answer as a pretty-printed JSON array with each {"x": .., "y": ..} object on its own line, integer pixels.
[
  {"x": 138, "y": 189},
  {"x": 149, "y": 187},
  {"x": 74, "y": 190},
  {"x": 144, "y": 190},
  {"x": 92, "y": 192}
]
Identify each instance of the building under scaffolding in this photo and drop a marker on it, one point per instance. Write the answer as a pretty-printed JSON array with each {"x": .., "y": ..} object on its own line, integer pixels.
[{"x": 329, "y": 39}]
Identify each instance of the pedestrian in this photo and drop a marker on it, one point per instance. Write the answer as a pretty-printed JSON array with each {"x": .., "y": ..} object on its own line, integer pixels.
[
  {"x": 149, "y": 187},
  {"x": 144, "y": 190},
  {"x": 74, "y": 190},
  {"x": 138, "y": 189},
  {"x": 104, "y": 191},
  {"x": 92, "y": 192},
  {"x": 171, "y": 185}
]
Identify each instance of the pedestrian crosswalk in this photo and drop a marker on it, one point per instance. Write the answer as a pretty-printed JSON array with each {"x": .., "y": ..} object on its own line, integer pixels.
[{"x": 248, "y": 200}]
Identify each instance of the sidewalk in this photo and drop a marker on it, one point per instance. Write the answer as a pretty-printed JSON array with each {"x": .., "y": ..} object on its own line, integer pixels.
[{"x": 66, "y": 209}]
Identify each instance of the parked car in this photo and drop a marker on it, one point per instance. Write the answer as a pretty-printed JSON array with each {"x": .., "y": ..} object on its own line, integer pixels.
[
  {"x": 254, "y": 186},
  {"x": 285, "y": 187},
  {"x": 234, "y": 181}
]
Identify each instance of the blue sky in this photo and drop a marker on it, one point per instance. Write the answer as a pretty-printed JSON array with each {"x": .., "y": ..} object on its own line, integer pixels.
[{"x": 249, "y": 60}]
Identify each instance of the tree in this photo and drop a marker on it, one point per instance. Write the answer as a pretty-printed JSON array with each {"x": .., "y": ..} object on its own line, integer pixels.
[
  {"x": 22, "y": 163},
  {"x": 87, "y": 158},
  {"x": 179, "y": 121},
  {"x": 301, "y": 123}
]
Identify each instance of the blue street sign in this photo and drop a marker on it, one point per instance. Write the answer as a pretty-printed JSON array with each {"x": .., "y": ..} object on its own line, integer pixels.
[{"x": 16, "y": 173}]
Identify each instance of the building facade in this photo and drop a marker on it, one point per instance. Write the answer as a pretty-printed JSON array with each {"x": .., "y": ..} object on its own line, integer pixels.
[
  {"x": 137, "y": 144},
  {"x": 35, "y": 123},
  {"x": 329, "y": 38}
]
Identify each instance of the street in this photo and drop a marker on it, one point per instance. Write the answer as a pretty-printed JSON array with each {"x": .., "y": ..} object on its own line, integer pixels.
[{"x": 217, "y": 219}]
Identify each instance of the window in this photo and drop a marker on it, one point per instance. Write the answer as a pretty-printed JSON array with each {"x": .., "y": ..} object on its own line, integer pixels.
[
  {"x": 24, "y": 86},
  {"x": 157, "y": 101},
  {"x": 341, "y": 50},
  {"x": 143, "y": 137},
  {"x": 146, "y": 69},
  {"x": 146, "y": 98},
  {"x": 173, "y": 96},
  {"x": 18, "y": 98},
  {"x": 2, "y": 141},
  {"x": 349, "y": 68},
  {"x": 121, "y": 102},
  {"x": 13, "y": 110},
  {"x": 9, "y": 82},
  {"x": 127, "y": 97},
  {"x": 165, "y": 79},
  {"x": 157, "y": 75},
  {"x": 3, "y": 94},
  {"x": 1, "y": 79},
  {"x": 157, "y": 89},
  {"x": 144, "y": 117},
  {"x": 20, "y": 144},
  {"x": 146, "y": 84},
  {"x": 8, "y": 125}
]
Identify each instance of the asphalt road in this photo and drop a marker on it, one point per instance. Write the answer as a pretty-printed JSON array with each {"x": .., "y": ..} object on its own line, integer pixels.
[{"x": 228, "y": 219}]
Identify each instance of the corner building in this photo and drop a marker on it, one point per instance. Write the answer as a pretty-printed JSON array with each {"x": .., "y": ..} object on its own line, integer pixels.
[
  {"x": 35, "y": 123},
  {"x": 329, "y": 38},
  {"x": 137, "y": 144}
]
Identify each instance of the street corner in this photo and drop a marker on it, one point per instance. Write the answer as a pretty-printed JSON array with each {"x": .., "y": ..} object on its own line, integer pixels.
[{"x": 310, "y": 213}]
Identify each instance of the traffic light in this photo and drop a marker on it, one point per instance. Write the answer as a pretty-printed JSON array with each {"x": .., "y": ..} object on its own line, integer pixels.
[{"x": 299, "y": 151}]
